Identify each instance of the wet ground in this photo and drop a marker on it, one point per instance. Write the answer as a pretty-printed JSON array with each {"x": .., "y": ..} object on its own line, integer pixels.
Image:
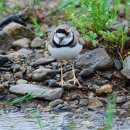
[{"x": 79, "y": 119}]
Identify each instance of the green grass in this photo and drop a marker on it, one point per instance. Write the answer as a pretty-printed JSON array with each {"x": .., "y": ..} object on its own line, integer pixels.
[
  {"x": 38, "y": 30},
  {"x": 110, "y": 110},
  {"x": 38, "y": 119}
]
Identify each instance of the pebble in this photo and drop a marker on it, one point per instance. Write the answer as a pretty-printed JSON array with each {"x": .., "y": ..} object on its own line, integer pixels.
[
  {"x": 55, "y": 103},
  {"x": 37, "y": 43},
  {"x": 21, "y": 81},
  {"x": 22, "y": 43}
]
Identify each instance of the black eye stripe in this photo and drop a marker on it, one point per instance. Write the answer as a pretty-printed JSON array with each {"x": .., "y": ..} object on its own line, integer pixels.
[{"x": 62, "y": 31}]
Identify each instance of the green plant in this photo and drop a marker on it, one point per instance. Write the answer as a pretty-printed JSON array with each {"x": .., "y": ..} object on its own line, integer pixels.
[
  {"x": 96, "y": 14},
  {"x": 38, "y": 30},
  {"x": 3, "y": 8},
  {"x": 110, "y": 110},
  {"x": 90, "y": 17},
  {"x": 127, "y": 9},
  {"x": 118, "y": 37},
  {"x": 91, "y": 37},
  {"x": 38, "y": 119}
]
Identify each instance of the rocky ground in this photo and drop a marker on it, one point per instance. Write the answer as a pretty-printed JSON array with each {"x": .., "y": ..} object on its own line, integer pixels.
[{"x": 27, "y": 67}]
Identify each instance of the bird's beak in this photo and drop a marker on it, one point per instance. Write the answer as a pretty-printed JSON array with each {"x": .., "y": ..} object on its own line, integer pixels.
[{"x": 60, "y": 39}]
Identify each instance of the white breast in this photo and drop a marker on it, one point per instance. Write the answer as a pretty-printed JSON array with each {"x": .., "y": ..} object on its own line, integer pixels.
[{"x": 65, "y": 53}]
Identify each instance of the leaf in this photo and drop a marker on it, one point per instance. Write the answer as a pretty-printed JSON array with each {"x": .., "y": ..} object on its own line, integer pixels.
[{"x": 95, "y": 43}]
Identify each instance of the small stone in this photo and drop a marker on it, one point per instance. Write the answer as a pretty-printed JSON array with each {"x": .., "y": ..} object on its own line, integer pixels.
[
  {"x": 24, "y": 52},
  {"x": 55, "y": 103},
  {"x": 6, "y": 41},
  {"x": 23, "y": 43},
  {"x": 126, "y": 67},
  {"x": 38, "y": 91},
  {"x": 105, "y": 89},
  {"x": 21, "y": 81},
  {"x": 37, "y": 43},
  {"x": 43, "y": 74},
  {"x": 43, "y": 61},
  {"x": 68, "y": 86},
  {"x": 18, "y": 74},
  {"x": 118, "y": 65},
  {"x": 17, "y": 31},
  {"x": 3, "y": 59},
  {"x": 7, "y": 76},
  {"x": 52, "y": 83},
  {"x": 1, "y": 89},
  {"x": 121, "y": 99},
  {"x": 94, "y": 103},
  {"x": 83, "y": 102},
  {"x": 87, "y": 72},
  {"x": 15, "y": 56}
]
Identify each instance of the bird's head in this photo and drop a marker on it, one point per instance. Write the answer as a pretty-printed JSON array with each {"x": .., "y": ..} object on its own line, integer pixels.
[{"x": 63, "y": 37}]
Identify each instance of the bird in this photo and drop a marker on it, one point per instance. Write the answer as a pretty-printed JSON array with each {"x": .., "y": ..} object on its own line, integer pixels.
[{"x": 65, "y": 43}]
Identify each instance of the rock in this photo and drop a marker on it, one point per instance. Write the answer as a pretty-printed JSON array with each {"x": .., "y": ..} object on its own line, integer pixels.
[
  {"x": 17, "y": 31},
  {"x": 68, "y": 86},
  {"x": 105, "y": 89},
  {"x": 126, "y": 105},
  {"x": 15, "y": 56},
  {"x": 1, "y": 89},
  {"x": 6, "y": 41},
  {"x": 87, "y": 72},
  {"x": 3, "y": 60},
  {"x": 43, "y": 74},
  {"x": 126, "y": 67},
  {"x": 37, "y": 43},
  {"x": 83, "y": 102},
  {"x": 121, "y": 99},
  {"x": 22, "y": 43},
  {"x": 7, "y": 76},
  {"x": 55, "y": 103},
  {"x": 43, "y": 61},
  {"x": 24, "y": 52},
  {"x": 118, "y": 65},
  {"x": 38, "y": 91},
  {"x": 97, "y": 59},
  {"x": 52, "y": 83},
  {"x": 21, "y": 81},
  {"x": 94, "y": 103}
]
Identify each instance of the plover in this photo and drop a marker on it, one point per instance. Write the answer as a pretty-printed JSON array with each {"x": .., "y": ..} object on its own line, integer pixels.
[{"x": 65, "y": 43}]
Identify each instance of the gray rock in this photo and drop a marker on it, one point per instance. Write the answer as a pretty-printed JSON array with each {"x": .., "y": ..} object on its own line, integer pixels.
[
  {"x": 6, "y": 41},
  {"x": 43, "y": 61},
  {"x": 118, "y": 65},
  {"x": 83, "y": 102},
  {"x": 37, "y": 43},
  {"x": 23, "y": 43},
  {"x": 24, "y": 52},
  {"x": 121, "y": 99},
  {"x": 3, "y": 59},
  {"x": 87, "y": 72},
  {"x": 97, "y": 59},
  {"x": 21, "y": 81},
  {"x": 43, "y": 74},
  {"x": 38, "y": 91},
  {"x": 17, "y": 31},
  {"x": 126, "y": 67},
  {"x": 55, "y": 103},
  {"x": 68, "y": 86}
]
